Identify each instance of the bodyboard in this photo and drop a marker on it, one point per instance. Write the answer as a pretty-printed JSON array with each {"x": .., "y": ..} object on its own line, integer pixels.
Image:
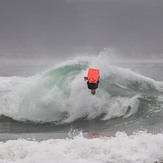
[{"x": 93, "y": 75}]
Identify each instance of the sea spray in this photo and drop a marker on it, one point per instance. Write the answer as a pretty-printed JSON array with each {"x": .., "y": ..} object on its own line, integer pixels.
[{"x": 60, "y": 94}]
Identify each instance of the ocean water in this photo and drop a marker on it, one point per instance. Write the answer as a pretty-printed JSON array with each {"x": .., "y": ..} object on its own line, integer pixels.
[{"x": 47, "y": 114}]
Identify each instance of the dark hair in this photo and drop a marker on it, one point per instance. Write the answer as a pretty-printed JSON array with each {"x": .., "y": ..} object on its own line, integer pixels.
[{"x": 93, "y": 91}]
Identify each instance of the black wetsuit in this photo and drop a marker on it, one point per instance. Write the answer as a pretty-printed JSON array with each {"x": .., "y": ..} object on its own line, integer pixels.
[{"x": 92, "y": 85}]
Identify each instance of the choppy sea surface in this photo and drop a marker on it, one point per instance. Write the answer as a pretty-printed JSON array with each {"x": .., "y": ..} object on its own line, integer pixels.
[{"x": 47, "y": 114}]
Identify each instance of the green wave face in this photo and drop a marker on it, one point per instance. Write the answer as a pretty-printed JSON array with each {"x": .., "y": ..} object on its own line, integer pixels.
[{"x": 61, "y": 77}]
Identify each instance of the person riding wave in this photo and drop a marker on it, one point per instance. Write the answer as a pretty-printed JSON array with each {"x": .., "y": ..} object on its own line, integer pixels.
[{"x": 91, "y": 85}]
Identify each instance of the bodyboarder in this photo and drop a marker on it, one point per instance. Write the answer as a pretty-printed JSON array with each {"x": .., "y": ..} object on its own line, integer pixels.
[{"x": 92, "y": 80}]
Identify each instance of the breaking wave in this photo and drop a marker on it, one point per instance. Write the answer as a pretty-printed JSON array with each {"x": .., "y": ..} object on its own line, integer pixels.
[{"x": 60, "y": 94}]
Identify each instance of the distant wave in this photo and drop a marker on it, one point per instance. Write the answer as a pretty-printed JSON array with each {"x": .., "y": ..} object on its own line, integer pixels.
[{"x": 60, "y": 94}]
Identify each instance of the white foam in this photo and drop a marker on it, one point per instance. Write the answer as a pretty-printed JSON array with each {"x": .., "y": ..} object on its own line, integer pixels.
[
  {"x": 31, "y": 98},
  {"x": 7, "y": 83},
  {"x": 138, "y": 148}
]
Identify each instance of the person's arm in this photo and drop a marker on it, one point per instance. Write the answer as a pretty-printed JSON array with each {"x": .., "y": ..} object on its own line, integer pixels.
[
  {"x": 85, "y": 78},
  {"x": 98, "y": 79}
]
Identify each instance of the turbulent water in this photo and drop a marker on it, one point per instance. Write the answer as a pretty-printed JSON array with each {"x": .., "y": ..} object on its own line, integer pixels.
[{"x": 55, "y": 115}]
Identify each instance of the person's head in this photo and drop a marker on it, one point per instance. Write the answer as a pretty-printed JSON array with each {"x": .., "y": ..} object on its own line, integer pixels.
[{"x": 93, "y": 91}]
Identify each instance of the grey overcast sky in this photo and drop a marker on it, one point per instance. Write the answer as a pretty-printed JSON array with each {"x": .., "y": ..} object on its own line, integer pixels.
[{"x": 129, "y": 26}]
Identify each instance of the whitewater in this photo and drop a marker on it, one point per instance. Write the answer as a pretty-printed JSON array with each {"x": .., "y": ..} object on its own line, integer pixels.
[{"x": 50, "y": 116}]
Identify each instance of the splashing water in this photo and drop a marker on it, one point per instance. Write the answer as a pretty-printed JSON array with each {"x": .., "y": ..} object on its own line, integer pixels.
[{"x": 60, "y": 94}]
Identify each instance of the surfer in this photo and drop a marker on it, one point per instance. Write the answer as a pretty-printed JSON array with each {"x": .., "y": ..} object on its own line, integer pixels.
[{"x": 92, "y": 80}]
